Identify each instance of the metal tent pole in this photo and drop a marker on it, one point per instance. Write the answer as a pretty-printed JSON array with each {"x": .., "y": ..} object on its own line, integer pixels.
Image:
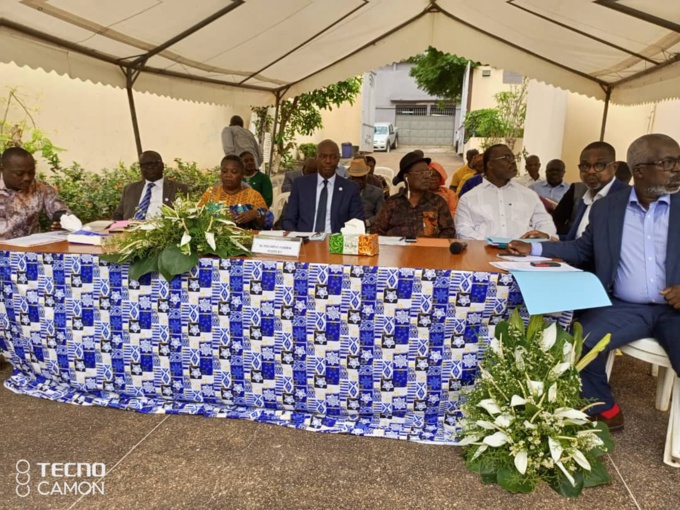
[
  {"x": 274, "y": 127},
  {"x": 605, "y": 112},
  {"x": 130, "y": 78}
]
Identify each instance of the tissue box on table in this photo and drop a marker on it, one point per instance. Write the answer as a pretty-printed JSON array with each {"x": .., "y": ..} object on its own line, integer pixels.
[{"x": 354, "y": 244}]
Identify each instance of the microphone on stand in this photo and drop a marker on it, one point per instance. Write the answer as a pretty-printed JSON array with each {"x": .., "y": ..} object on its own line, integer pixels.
[{"x": 457, "y": 247}]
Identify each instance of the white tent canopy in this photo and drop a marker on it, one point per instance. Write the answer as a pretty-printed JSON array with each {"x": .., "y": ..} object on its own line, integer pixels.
[{"x": 249, "y": 52}]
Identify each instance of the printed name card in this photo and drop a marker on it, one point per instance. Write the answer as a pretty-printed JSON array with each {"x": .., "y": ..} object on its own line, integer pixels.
[{"x": 280, "y": 246}]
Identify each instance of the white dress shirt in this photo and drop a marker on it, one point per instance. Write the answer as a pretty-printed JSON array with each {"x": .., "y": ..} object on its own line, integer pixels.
[
  {"x": 156, "y": 197},
  {"x": 319, "y": 187},
  {"x": 510, "y": 211},
  {"x": 589, "y": 201},
  {"x": 527, "y": 180}
]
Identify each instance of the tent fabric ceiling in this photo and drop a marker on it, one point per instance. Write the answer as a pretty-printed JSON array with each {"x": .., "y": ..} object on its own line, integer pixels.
[{"x": 247, "y": 51}]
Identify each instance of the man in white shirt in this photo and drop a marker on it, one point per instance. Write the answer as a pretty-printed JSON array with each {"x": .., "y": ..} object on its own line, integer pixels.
[
  {"x": 533, "y": 166},
  {"x": 499, "y": 206},
  {"x": 597, "y": 165}
]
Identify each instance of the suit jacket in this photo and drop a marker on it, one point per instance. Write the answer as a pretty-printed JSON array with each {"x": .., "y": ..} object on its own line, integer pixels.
[
  {"x": 600, "y": 244},
  {"x": 133, "y": 192},
  {"x": 373, "y": 199},
  {"x": 288, "y": 179},
  {"x": 301, "y": 208},
  {"x": 571, "y": 235}
]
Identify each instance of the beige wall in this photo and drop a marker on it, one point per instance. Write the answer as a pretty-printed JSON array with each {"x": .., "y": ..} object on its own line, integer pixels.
[
  {"x": 341, "y": 125},
  {"x": 484, "y": 88},
  {"x": 93, "y": 123}
]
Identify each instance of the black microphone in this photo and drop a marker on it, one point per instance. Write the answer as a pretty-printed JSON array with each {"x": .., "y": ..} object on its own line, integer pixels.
[
  {"x": 57, "y": 215},
  {"x": 457, "y": 247}
]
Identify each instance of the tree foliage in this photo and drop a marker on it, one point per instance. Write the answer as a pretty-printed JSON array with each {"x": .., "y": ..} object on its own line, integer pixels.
[
  {"x": 440, "y": 74},
  {"x": 301, "y": 115}
]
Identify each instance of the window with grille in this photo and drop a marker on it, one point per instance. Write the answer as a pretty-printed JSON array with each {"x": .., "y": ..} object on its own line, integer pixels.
[
  {"x": 420, "y": 111},
  {"x": 447, "y": 111}
]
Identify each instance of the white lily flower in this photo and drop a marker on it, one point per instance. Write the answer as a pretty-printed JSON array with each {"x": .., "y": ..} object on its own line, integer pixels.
[
  {"x": 552, "y": 393},
  {"x": 516, "y": 400},
  {"x": 568, "y": 413},
  {"x": 485, "y": 424},
  {"x": 503, "y": 420},
  {"x": 479, "y": 451},
  {"x": 535, "y": 388},
  {"x": 186, "y": 239},
  {"x": 490, "y": 406},
  {"x": 555, "y": 449},
  {"x": 566, "y": 351},
  {"x": 519, "y": 358},
  {"x": 559, "y": 369},
  {"x": 566, "y": 473},
  {"x": 485, "y": 374},
  {"x": 495, "y": 346},
  {"x": 521, "y": 461},
  {"x": 210, "y": 238},
  {"x": 147, "y": 226},
  {"x": 581, "y": 459},
  {"x": 497, "y": 439},
  {"x": 468, "y": 440},
  {"x": 549, "y": 337},
  {"x": 529, "y": 425}
]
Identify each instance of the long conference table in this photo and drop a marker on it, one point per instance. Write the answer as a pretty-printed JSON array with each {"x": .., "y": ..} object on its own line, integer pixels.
[{"x": 376, "y": 346}]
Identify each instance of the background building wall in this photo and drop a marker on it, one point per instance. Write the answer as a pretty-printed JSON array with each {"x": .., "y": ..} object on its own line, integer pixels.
[{"x": 92, "y": 121}]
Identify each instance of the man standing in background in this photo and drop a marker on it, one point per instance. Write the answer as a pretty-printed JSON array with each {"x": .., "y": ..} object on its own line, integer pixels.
[
  {"x": 532, "y": 165},
  {"x": 236, "y": 140}
]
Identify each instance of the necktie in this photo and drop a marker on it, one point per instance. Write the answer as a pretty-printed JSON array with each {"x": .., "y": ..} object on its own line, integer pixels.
[
  {"x": 320, "y": 225},
  {"x": 144, "y": 204}
]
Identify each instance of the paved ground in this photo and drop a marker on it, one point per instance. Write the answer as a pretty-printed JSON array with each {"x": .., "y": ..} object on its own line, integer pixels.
[{"x": 166, "y": 462}]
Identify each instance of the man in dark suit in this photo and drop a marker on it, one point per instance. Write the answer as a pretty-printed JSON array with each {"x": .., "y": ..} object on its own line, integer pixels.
[
  {"x": 144, "y": 198},
  {"x": 308, "y": 167},
  {"x": 598, "y": 166},
  {"x": 633, "y": 240},
  {"x": 323, "y": 202}
]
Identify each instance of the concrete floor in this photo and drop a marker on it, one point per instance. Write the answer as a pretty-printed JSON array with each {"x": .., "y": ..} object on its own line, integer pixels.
[{"x": 158, "y": 461}]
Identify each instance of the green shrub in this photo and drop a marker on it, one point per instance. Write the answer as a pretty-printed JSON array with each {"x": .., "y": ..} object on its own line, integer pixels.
[
  {"x": 308, "y": 150},
  {"x": 485, "y": 123}
]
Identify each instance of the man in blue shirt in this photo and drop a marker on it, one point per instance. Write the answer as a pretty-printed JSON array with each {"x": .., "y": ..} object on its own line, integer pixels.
[
  {"x": 633, "y": 240},
  {"x": 554, "y": 187}
]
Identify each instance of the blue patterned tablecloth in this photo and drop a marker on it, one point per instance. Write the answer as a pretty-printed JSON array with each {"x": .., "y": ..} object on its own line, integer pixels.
[{"x": 336, "y": 348}]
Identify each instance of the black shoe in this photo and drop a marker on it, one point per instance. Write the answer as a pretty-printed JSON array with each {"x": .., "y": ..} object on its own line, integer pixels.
[{"x": 615, "y": 423}]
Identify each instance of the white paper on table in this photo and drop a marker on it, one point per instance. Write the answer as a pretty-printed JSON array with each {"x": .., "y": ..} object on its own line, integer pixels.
[
  {"x": 526, "y": 266},
  {"x": 272, "y": 233},
  {"x": 392, "y": 241},
  {"x": 71, "y": 222},
  {"x": 525, "y": 258},
  {"x": 36, "y": 239}
]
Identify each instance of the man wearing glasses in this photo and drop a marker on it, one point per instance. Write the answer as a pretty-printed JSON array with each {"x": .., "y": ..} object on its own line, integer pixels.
[
  {"x": 597, "y": 165},
  {"x": 500, "y": 206},
  {"x": 143, "y": 199},
  {"x": 633, "y": 242}
]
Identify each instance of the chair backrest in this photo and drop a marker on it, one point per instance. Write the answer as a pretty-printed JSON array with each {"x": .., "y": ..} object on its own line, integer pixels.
[
  {"x": 386, "y": 172},
  {"x": 279, "y": 202},
  {"x": 277, "y": 180}
]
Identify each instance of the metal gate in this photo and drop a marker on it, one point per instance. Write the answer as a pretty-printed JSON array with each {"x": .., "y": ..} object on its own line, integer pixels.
[{"x": 420, "y": 125}]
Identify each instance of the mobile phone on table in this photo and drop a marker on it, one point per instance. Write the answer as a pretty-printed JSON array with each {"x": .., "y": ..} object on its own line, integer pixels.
[
  {"x": 410, "y": 239},
  {"x": 546, "y": 264}
]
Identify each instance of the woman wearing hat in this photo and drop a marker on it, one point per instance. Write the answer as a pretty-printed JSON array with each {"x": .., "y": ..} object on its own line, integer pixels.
[{"x": 415, "y": 211}]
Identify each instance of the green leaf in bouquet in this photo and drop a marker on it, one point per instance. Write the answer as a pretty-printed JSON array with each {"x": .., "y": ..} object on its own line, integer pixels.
[
  {"x": 597, "y": 475},
  {"x": 143, "y": 266},
  {"x": 485, "y": 467},
  {"x": 562, "y": 485},
  {"x": 593, "y": 353},
  {"x": 513, "y": 481},
  {"x": 501, "y": 331},
  {"x": 535, "y": 326},
  {"x": 114, "y": 258},
  {"x": 578, "y": 340},
  {"x": 516, "y": 321},
  {"x": 606, "y": 436},
  {"x": 172, "y": 262}
]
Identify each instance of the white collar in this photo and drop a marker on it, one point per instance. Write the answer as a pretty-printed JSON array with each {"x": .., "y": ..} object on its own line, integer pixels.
[
  {"x": 157, "y": 184},
  {"x": 319, "y": 180},
  {"x": 588, "y": 199}
]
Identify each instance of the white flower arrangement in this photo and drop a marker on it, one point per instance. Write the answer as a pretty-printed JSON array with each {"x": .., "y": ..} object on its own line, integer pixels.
[{"x": 524, "y": 419}]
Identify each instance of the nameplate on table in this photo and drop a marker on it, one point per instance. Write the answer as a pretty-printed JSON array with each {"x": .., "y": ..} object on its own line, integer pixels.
[{"x": 282, "y": 246}]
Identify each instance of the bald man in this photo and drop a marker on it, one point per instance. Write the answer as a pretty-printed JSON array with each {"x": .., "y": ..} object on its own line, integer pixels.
[
  {"x": 143, "y": 199},
  {"x": 323, "y": 202},
  {"x": 633, "y": 242}
]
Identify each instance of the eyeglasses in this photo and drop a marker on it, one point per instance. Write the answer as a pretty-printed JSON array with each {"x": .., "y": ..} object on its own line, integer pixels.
[
  {"x": 598, "y": 167},
  {"x": 507, "y": 157},
  {"x": 148, "y": 164},
  {"x": 423, "y": 173},
  {"x": 667, "y": 164}
]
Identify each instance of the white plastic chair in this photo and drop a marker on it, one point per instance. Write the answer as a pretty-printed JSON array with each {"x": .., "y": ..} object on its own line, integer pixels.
[
  {"x": 667, "y": 390},
  {"x": 386, "y": 172},
  {"x": 279, "y": 202}
]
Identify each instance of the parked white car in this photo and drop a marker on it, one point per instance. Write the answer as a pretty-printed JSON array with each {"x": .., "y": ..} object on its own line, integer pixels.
[{"x": 385, "y": 137}]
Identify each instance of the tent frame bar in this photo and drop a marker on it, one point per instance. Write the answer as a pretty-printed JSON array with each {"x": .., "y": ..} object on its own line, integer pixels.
[
  {"x": 608, "y": 91},
  {"x": 131, "y": 76},
  {"x": 634, "y": 13},
  {"x": 582, "y": 33}
]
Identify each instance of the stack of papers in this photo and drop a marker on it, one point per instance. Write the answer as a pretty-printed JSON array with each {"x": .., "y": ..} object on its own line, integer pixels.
[
  {"x": 312, "y": 236},
  {"x": 37, "y": 239},
  {"x": 526, "y": 266},
  {"x": 502, "y": 242},
  {"x": 86, "y": 237},
  {"x": 392, "y": 241}
]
